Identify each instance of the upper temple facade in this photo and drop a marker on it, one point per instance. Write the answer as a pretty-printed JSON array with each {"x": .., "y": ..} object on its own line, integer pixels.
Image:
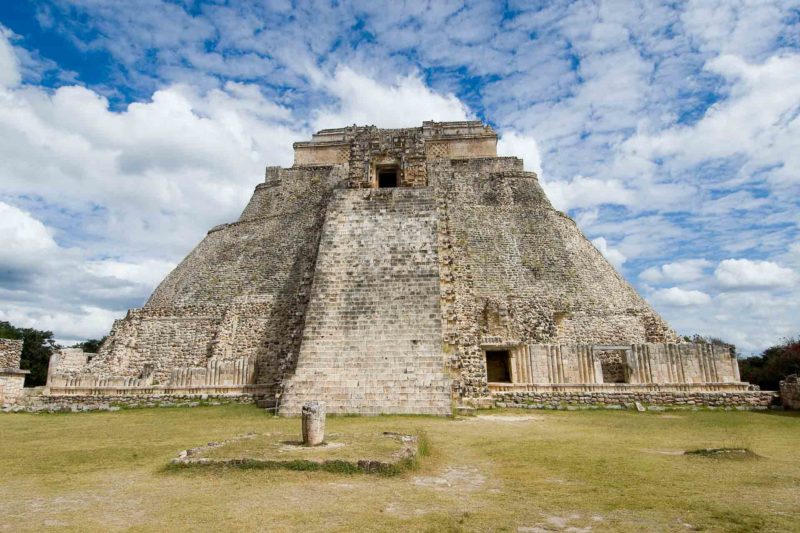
[{"x": 396, "y": 271}]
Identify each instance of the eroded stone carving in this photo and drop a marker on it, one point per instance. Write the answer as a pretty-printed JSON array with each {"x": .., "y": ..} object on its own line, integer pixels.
[{"x": 313, "y": 416}]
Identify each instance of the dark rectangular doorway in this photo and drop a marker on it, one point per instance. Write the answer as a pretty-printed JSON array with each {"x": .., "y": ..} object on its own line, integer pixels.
[
  {"x": 497, "y": 366},
  {"x": 387, "y": 177}
]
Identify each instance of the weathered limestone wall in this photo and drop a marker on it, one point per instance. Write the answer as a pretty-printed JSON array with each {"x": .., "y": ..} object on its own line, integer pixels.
[
  {"x": 12, "y": 379},
  {"x": 362, "y": 149},
  {"x": 641, "y": 363},
  {"x": 334, "y": 153},
  {"x": 372, "y": 341},
  {"x": 617, "y": 398},
  {"x": 10, "y": 353},
  {"x": 516, "y": 271},
  {"x": 790, "y": 392},
  {"x": 11, "y": 386},
  {"x": 240, "y": 293},
  {"x": 372, "y": 147},
  {"x": 67, "y": 361},
  {"x": 111, "y": 400}
]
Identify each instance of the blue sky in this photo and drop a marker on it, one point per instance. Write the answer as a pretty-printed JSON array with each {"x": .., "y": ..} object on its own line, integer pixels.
[{"x": 669, "y": 131}]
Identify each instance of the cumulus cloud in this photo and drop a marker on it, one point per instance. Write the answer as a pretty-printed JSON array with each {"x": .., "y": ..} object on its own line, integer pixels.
[
  {"x": 9, "y": 65},
  {"x": 614, "y": 256},
  {"x": 675, "y": 296},
  {"x": 523, "y": 146},
  {"x": 26, "y": 243},
  {"x": 406, "y": 102},
  {"x": 680, "y": 271},
  {"x": 746, "y": 274},
  {"x": 758, "y": 119},
  {"x": 582, "y": 192}
]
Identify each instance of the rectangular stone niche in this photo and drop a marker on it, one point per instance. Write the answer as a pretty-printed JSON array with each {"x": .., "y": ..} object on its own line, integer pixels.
[
  {"x": 388, "y": 177},
  {"x": 498, "y": 368}
]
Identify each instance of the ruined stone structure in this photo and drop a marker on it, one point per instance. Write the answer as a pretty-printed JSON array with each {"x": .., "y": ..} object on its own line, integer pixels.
[
  {"x": 790, "y": 392},
  {"x": 397, "y": 271},
  {"x": 12, "y": 379}
]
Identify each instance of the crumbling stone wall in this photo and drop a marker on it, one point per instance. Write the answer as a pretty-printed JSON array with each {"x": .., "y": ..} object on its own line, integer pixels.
[
  {"x": 790, "y": 392},
  {"x": 12, "y": 379},
  {"x": 372, "y": 146},
  {"x": 615, "y": 399},
  {"x": 10, "y": 353}
]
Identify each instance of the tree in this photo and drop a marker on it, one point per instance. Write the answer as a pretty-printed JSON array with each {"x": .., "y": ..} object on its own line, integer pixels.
[
  {"x": 37, "y": 347},
  {"x": 90, "y": 345},
  {"x": 699, "y": 339},
  {"x": 773, "y": 365}
]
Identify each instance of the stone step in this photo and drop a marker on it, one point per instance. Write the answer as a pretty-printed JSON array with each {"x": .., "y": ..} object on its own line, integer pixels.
[{"x": 372, "y": 337}]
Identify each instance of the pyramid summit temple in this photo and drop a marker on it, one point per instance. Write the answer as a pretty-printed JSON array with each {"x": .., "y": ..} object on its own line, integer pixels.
[{"x": 399, "y": 271}]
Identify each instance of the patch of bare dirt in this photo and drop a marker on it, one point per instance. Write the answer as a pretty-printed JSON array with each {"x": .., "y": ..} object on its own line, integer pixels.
[
  {"x": 569, "y": 523},
  {"x": 459, "y": 477},
  {"x": 508, "y": 418}
]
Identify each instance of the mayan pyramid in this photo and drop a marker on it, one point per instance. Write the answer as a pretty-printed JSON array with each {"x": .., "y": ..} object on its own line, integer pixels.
[{"x": 394, "y": 271}]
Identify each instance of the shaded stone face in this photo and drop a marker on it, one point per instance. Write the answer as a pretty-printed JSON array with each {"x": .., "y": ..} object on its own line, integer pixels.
[
  {"x": 790, "y": 392},
  {"x": 377, "y": 274}
]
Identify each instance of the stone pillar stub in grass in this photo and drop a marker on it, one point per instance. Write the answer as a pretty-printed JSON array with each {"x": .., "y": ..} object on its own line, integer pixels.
[{"x": 313, "y": 423}]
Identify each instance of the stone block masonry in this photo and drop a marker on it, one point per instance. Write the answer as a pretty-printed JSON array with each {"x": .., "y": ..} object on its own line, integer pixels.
[
  {"x": 790, "y": 392},
  {"x": 616, "y": 398},
  {"x": 12, "y": 378},
  {"x": 10, "y": 353},
  {"x": 372, "y": 337}
]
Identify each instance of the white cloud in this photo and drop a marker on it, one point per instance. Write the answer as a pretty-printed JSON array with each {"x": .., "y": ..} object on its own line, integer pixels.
[
  {"x": 675, "y": 296},
  {"x": 147, "y": 273},
  {"x": 9, "y": 64},
  {"x": 523, "y": 146},
  {"x": 758, "y": 120},
  {"x": 614, "y": 256},
  {"x": 406, "y": 102},
  {"x": 679, "y": 271},
  {"x": 587, "y": 192},
  {"x": 26, "y": 242},
  {"x": 746, "y": 274}
]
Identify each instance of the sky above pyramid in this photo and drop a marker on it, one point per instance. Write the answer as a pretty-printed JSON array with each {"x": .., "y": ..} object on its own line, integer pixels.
[{"x": 670, "y": 132}]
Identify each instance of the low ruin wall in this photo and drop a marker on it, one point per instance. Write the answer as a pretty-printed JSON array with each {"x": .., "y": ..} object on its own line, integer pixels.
[
  {"x": 790, "y": 392},
  {"x": 96, "y": 400},
  {"x": 615, "y": 399}
]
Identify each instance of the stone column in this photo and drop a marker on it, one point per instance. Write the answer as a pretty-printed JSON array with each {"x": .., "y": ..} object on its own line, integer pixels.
[{"x": 313, "y": 423}]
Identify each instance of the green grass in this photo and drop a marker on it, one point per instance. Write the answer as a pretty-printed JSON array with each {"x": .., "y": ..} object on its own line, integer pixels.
[
  {"x": 607, "y": 470},
  {"x": 352, "y": 446}
]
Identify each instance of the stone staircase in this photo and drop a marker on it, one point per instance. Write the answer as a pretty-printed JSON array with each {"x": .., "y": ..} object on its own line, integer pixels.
[{"x": 372, "y": 341}]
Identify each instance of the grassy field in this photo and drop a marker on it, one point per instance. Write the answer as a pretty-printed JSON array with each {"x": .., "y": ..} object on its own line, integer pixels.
[{"x": 501, "y": 471}]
